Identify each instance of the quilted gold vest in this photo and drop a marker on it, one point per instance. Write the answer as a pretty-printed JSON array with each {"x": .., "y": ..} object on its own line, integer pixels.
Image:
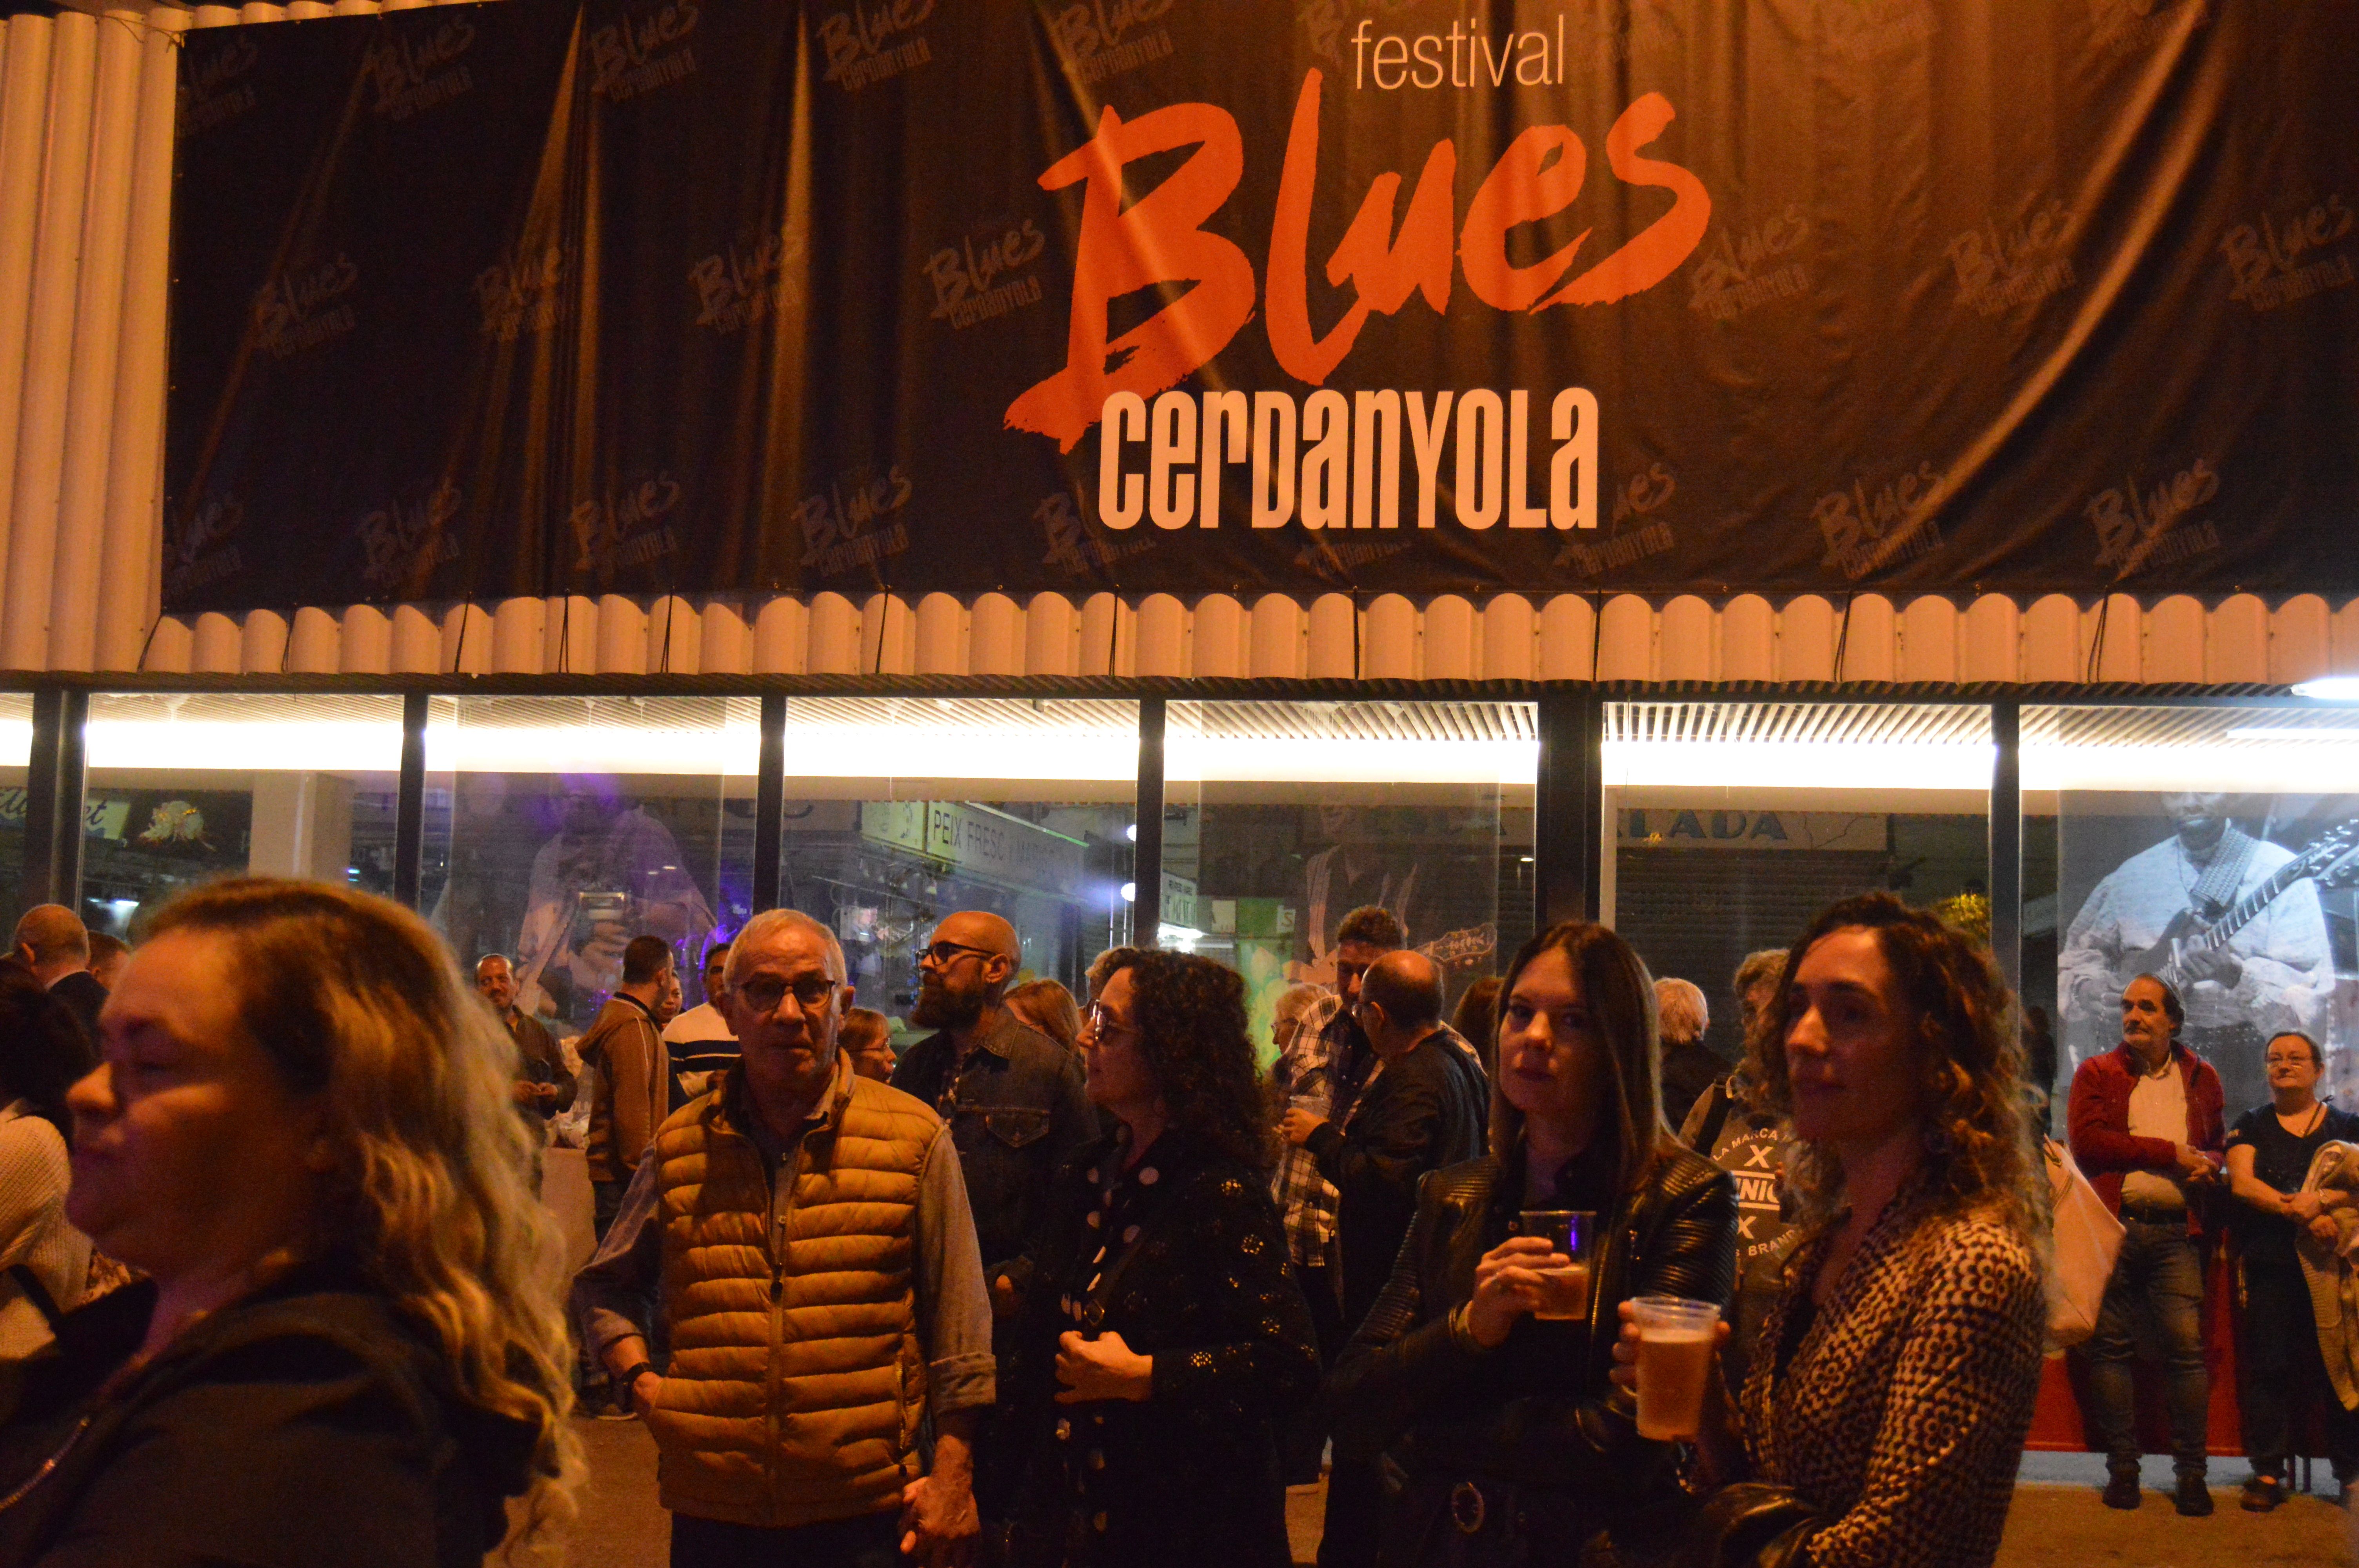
[{"x": 797, "y": 1379}]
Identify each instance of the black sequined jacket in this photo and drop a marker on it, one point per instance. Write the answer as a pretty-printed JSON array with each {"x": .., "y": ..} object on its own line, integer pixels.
[
  {"x": 1190, "y": 1477},
  {"x": 1539, "y": 1412}
]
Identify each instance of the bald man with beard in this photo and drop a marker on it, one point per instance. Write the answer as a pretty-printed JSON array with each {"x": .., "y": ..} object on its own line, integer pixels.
[{"x": 1016, "y": 1104}]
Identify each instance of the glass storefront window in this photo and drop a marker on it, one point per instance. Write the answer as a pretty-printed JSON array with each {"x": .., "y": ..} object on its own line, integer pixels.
[
  {"x": 15, "y": 753},
  {"x": 1281, "y": 818},
  {"x": 558, "y": 828},
  {"x": 2214, "y": 847},
  {"x": 1733, "y": 824},
  {"x": 185, "y": 787},
  {"x": 902, "y": 810}
]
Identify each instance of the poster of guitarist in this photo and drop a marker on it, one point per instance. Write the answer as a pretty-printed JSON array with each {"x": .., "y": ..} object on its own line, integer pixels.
[
  {"x": 2230, "y": 918},
  {"x": 612, "y": 872}
]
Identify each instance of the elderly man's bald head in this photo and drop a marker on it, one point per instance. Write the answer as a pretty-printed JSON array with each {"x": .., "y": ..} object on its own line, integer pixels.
[
  {"x": 1407, "y": 986},
  {"x": 52, "y": 938}
]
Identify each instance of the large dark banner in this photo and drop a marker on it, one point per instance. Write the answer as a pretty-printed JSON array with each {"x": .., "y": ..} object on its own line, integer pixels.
[{"x": 641, "y": 295}]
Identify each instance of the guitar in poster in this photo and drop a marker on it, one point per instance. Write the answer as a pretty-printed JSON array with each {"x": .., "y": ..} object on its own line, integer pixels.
[{"x": 2239, "y": 908}]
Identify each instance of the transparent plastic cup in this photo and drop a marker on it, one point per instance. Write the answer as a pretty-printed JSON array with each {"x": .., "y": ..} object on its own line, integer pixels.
[
  {"x": 1564, "y": 1292},
  {"x": 1675, "y": 1345}
]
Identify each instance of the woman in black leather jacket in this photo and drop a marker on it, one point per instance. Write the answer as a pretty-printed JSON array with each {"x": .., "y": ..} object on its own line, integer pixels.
[{"x": 1510, "y": 1443}]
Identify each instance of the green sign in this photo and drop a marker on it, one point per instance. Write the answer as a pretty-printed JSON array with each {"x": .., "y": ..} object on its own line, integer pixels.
[{"x": 979, "y": 841}]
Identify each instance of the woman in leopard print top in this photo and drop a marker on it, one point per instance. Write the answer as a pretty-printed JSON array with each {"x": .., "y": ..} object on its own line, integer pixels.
[
  {"x": 1892, "y": 1384},
  {"x": 1900, "y": 1408}
]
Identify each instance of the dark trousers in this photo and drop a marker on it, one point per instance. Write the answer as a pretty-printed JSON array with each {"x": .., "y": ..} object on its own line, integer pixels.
[
  {"x": 590, "y": 1377},
  {"x": 1356, "y": 1510},
  {"x": 872, "y": 1540},
  {"x": 2160, "y": 1271},
  {"x": 1305, "y": 1437},
  {"x": 2280, "y": 1372}
]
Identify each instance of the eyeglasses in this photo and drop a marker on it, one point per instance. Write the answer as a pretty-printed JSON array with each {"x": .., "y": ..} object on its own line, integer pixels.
[
  {"x": 1100, "y": 1024},
  {"x": 764, "y": 993},
  {"x": 942, "y": 954}
]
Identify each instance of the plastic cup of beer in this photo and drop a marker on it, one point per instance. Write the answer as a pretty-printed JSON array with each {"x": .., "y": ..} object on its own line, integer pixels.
[
  {"x": 1675, "y": 1345},
  {"x": 1564, "y": 1291}
]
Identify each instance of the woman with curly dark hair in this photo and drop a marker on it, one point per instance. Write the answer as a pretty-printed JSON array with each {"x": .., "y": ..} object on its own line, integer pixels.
[
  {"x": 1162, "y": 1339},
  {"x": 1514, "y": 1445},
  {"x": 1892, "y": 1383}
]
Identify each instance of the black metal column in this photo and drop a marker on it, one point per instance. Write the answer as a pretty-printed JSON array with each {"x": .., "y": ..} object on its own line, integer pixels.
[
  {"x": 409, "y": 803},
  {"x": 1569, "y": 848},
  {"x": 770, "y": 802},
  {"x": 53, "y": 800},
  {"x": 1147, "y": 855},
  {"x": 2006, "y": 841}
]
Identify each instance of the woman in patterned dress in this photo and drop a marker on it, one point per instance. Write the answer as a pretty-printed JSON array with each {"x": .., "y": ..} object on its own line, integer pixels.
[
  {"x": 1892, "y": 1384},
  {"x": 1163, "y": 1340}
]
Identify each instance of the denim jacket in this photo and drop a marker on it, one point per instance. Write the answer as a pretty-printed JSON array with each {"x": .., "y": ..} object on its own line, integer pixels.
[{"x": 1016, "y": 1110}]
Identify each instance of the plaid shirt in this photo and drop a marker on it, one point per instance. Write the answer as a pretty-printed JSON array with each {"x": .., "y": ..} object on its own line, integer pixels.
[{"x": 1307, "y": 1199}]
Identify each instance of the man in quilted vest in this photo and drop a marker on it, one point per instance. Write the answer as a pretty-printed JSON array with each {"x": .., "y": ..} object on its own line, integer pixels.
[{"x": 821, "y": 1290}]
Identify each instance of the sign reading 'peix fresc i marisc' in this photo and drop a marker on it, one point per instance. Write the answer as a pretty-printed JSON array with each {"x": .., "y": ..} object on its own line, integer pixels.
[{"x": 1791, "y": 295}]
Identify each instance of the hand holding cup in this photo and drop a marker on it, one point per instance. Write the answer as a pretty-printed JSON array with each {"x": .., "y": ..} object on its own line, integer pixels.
[
  {"x": 1675, "y": 1340},
  {"x": 1507, "y": 1286}
]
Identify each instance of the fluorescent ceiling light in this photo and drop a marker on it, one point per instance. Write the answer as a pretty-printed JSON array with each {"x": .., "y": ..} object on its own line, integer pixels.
[
  {"x": 2343, "y": 735},
  {"x": 1198, "y": 759},
  {"x": 203, "y": 745},
  {"x": 2266, "y": 762},
  {"x": 1675, "y": 765}
]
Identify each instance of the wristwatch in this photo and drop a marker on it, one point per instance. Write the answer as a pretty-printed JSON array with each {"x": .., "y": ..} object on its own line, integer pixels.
[{"x": 629, "y": 1381}]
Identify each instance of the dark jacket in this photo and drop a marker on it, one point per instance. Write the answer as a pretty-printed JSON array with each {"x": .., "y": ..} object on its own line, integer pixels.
[
  {"x": 1019, "y": 1109},
  {"x": 2098, "y": 1115},
  {"x": 1538, "y": 1414},
  {"x": 539, "y": 1062},
  {"x": 1689, "y": 1068},
  {"x": 83, "y": 995},
  {"x": 1424, "y": 1112},
  {"x": 304, "y": 1426},
  {"x": 1190, "y": 1478}
]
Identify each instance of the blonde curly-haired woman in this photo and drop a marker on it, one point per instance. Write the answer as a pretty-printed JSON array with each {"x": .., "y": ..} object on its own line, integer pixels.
[{"x": 348, "y": 1345}]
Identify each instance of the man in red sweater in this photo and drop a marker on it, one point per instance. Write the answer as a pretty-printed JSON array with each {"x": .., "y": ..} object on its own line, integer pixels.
[{"x": 2146, "y": 1124}]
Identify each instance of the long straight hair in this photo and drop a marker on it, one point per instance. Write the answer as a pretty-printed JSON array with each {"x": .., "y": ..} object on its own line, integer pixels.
[{"x": 1619, "y": 995}]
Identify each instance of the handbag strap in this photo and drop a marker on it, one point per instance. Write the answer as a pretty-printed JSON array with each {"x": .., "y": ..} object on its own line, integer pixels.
[
  {"x": 1714, "y": 1119},
  {"x": 36, "y": 1292}
]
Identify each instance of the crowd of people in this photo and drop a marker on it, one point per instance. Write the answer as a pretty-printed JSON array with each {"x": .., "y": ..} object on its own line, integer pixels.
[{"x": 1078, "y": 1281}]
